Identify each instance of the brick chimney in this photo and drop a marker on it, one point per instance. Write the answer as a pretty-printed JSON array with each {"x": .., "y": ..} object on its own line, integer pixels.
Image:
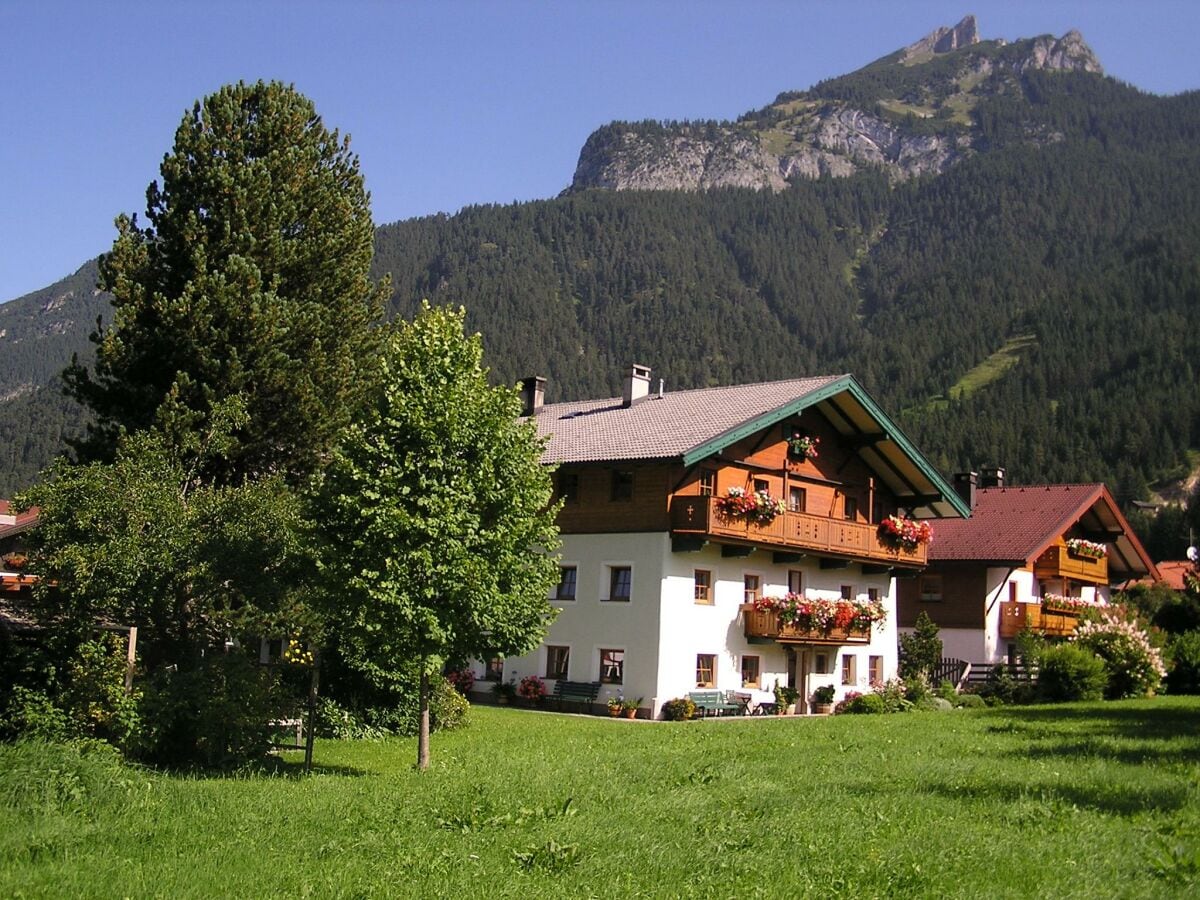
[
  {"x": 991, "y": 477},
  {"x": 964, "y": 485},
  {"x": 637, "y": 384},
  {"x": 533, "y": 394}
]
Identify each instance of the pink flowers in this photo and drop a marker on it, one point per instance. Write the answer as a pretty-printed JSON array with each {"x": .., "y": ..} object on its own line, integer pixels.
[
  {"x": 900, "y": 532},
  {"x": 532, "y": 688},
  {"x": 757, "y": 507},
  {"x": 1086, "y": 549},
  {"x": 823, "y": 615}
]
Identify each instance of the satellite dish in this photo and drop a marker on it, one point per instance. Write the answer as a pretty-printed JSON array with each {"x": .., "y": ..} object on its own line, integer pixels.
[{"x": 1193, "y": 554}]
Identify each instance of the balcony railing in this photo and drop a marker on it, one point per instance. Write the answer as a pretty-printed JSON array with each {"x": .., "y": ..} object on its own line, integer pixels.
[
  {"x": 1014, "y": 616},
  {"x": 1057, "y": 562},
  {"x": 791, "y": 531},
  {"x": 765, "y": 624}
]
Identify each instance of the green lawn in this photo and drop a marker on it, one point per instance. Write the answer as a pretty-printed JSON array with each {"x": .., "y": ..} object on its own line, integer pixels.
[{"x": 1087, "y": 800}]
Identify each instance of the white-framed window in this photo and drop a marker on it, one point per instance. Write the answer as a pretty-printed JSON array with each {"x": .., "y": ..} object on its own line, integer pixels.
[
  {"x": 568, "y": 579},
  {"x": 849, "y": 668},
  {"x": 558, "y": 661},
  {"x": 751, "y": 587},
  {"x": 612, "y": 665},
  {"x": 751, "y": 671},
  {"x": 620, "y": 584}
]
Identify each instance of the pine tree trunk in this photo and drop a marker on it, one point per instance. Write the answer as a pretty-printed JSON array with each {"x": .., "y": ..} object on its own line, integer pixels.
[{"x": 423, "y": 726}]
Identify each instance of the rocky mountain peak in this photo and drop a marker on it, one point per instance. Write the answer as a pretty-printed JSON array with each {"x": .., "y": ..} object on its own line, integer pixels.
[{"x": 944, "y": 40}]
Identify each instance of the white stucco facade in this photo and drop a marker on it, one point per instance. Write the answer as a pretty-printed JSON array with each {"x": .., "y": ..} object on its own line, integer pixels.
[{"x": 662, "y": 629}]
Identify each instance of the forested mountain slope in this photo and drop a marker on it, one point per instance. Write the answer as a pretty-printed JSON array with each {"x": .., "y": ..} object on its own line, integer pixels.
[{"x": 1032, "y": 306}]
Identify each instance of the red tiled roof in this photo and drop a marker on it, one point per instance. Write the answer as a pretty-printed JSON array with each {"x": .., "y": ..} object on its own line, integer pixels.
[
  {"x": 1171, "y": 574},
  {"x": 1013, "y": 525}
]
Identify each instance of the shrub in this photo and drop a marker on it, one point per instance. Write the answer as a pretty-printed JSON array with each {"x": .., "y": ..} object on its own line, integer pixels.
[
  {"x": 679, "y": 709},
  {"x": 1184, "y": 677},
  {"x": 462, "y": 679},
  {"x": 1070, "y": 672},
  {"x": 893, "y": 695},
  {"x": 860, "y": 704},
  {"x": 932, "y": 703},
  {"x": 969, "y": 701},
  {"x": 920, "y": 651},
  {"x": 532, "y": 688},
  {"x": 946, "y": 691},
  {"x": 1134, "y": 667}
]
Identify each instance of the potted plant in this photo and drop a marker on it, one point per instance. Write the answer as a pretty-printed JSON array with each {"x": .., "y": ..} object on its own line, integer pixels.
[
  {"x": 505, "y": 692},
  {"x": 616, "y": 705},
  {"x": 802, "y": 446},
  {"x": 822, "y": 699},
  {"x": 785, "y": 699},
  {"x": 902, "y": 533},
  {"x": 630, "y": 707},
  {"x": 532, "y": 689}
]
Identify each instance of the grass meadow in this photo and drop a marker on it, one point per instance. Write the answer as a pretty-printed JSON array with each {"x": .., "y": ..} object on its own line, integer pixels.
[{"x": 1084, "y": 800}]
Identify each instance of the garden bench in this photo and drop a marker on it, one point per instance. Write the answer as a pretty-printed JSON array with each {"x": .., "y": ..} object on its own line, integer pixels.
[
  {"x": 713, "y": 703},
  {"x": 576, "y": 692}
]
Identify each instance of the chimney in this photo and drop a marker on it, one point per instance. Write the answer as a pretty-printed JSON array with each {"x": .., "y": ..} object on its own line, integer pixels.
[
  {"x": 637, "y": 384},
  {"x": 533, "y": 394},
  {"x": 991, "y": 477},
  {"x": 964, "y": 486}
]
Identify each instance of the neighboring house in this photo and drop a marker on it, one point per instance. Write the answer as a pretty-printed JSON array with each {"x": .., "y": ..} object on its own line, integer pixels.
[
  {"x": 13, "y": 555},
  {"x": 1027, "y": 556},
  {"x": 658, "y": 586}
]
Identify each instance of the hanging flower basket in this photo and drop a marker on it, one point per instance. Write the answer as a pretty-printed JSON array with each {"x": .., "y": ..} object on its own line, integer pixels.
[
  {"x": 14, "y": 562},
  {"x": 1086, "y": 549},
  {"x": 802, "y": 446},
  {"x": 758, "y": 508},
  {"x": 901, "y": 533}
]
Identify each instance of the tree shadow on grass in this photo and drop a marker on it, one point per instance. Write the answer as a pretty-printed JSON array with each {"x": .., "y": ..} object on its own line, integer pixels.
[{"x": 1112, "y": 799}]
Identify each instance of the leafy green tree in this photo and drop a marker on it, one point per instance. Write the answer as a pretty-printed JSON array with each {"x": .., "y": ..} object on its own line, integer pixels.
[
  {"x": 142, "y": 540},
  {"x": 250, "y": 281},
  {"x": 437, "y": 514}
]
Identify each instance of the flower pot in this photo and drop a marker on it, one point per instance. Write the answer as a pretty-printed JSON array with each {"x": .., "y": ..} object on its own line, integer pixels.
[
  {"x": 631, "y": 713},
  {"x": 615, "y": 711},
  {"x": 502, "y": 699},
  {"x": 823, "y": 709}
]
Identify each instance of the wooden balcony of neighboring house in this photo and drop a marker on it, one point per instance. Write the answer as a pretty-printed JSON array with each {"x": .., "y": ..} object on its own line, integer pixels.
[
  {"x": 764, "y": 625},
  {"x": 1015, "y": 616},
  {"x": 790, "y": 532},
  {"x": 1059, "y": 562}
]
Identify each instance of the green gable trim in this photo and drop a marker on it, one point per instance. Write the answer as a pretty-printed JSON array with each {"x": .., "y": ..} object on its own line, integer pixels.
[{"x": 846, "y": 383}]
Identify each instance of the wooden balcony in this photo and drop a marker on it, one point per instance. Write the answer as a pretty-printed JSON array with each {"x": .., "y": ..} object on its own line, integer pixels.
[
  {"x": 765, "y": 625},
  {"x": 1056, "y": 562},
  {"x": 1014, "y": 616},
  {"x": 792, "y": 531}
]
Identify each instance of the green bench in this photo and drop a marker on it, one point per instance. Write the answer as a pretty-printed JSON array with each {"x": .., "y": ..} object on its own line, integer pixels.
[
  {"x": 715, "y": 703},
  {"x": 576, "y": 692}
]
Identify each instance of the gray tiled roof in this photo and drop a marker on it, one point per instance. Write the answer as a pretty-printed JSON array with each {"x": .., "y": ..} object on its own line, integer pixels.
[{"x": 658, "y": 428}]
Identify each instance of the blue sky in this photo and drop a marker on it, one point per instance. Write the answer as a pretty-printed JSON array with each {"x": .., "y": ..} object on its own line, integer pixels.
[{"x": 448, "y": 103}]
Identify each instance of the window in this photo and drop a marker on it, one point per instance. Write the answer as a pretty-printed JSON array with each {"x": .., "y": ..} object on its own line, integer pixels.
[
  {"x": 612, "y": 666},
  {"x": 1014, "y": 592},
  {"x": 620, "y": 584},
  {"x": 873, "y": 595},
  {"x": 821, "y": 664},
  {"x": 567, "y": 577},
  {"x": 706, "y": 670},
  {"x": 795, "y": 581},
  {"x": 847, "y": 592},
  {"x": 752, "y": 588},
  {"x": 931, "y": 588},
  {"x": 708, "y": 482},
  {"x": 557, "y": 661},
  {"x": 622, "y": 484},
  {"x": 703, "y": 586},
  {"x": 568, "y": 487},
  {"x": 850, "y": 508},
  {"x": 875, "y": 668},
  {"x": 849, "y": 668},
  {"x": 750, "y": 668},
  {"x": 493, "y": 669},
  {"x": 761, "y": 484},
  {"x": 797, "y": 499}
]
